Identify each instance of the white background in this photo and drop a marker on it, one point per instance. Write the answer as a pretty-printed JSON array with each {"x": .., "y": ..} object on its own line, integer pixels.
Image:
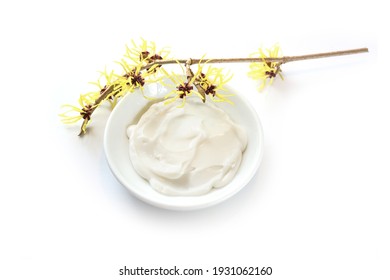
[{"x": 318, "y": 208}]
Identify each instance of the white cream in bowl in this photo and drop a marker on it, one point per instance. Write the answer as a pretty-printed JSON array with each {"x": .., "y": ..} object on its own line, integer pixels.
[
  {"x": 116, "y": 147},
  {"x": 186, "y": 150}
]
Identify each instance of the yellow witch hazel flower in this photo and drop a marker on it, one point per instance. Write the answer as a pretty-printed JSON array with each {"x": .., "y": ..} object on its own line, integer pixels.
[
  {"x": 204, "y": 83},
  {"x": 105, "y": 81},
  {"x": 88, "y": 102},
  {"x": 135, "y": 66},
  {"x": 265, "y": 71},
  {"x": 137, "y": 72},
  {"x": 74, "y": 113},
  {"x": 134, "y": 77},
  {"x": 145, "y": 53},
  {"x": 183, "y": 88},
  {"x": 213, "y": 82}
]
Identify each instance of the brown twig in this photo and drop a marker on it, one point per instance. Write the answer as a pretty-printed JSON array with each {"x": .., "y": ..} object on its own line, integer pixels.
[{"x": 281, "y": 60}]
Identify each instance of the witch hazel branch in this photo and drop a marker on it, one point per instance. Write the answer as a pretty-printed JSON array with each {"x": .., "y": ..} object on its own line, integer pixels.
[{"x": 142, "y": 63}]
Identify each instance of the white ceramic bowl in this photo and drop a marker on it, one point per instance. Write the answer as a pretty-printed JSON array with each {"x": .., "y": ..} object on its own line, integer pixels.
[{"x": 116, "y": 147}]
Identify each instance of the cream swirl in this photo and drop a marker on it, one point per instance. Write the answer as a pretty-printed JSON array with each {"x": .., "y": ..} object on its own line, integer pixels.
[{"x": 186, "y": 151}]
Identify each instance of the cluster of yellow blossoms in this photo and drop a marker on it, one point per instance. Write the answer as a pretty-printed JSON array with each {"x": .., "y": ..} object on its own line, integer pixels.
[{"x": 142, "y": 64}]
